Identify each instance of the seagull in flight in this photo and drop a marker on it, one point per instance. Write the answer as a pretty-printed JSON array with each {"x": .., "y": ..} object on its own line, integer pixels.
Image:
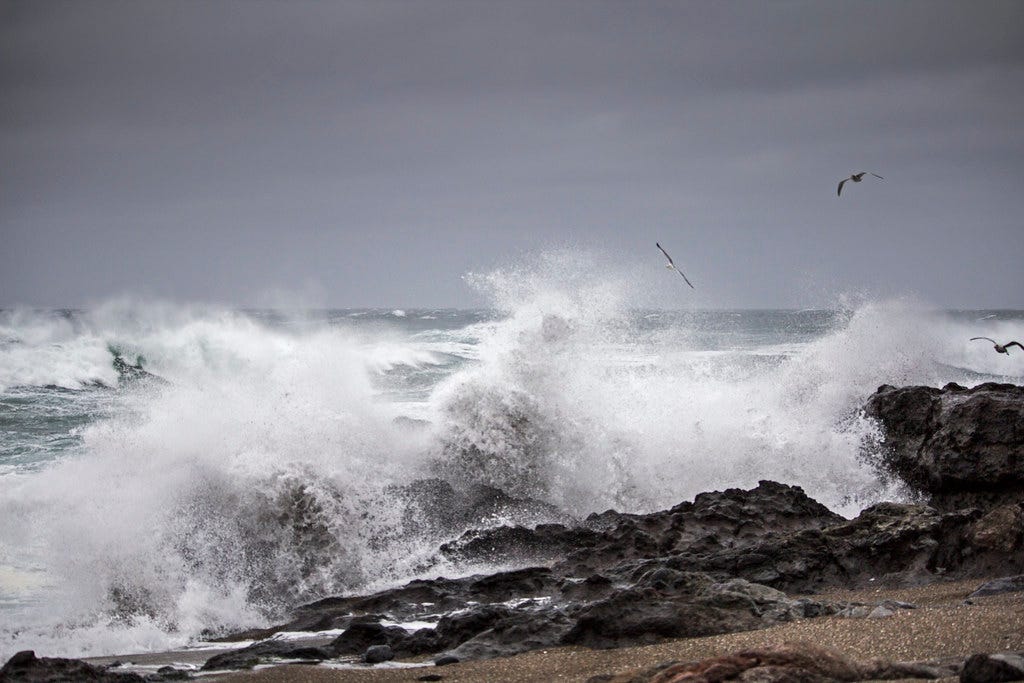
[
  {"x": 672, "y": 266},
  {"x": 856, "y": 177},
  {"x": 1001, "y": 348}
]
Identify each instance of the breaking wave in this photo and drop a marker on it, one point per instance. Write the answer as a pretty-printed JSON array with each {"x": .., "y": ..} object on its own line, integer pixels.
[{"x": 292, "y": 457}]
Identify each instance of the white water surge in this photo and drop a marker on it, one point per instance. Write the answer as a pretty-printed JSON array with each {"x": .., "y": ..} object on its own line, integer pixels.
[{"x": 264, "y": 474}]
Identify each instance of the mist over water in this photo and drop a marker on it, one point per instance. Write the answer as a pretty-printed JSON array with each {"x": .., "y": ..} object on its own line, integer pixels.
[{"x": 270, "y": 469}]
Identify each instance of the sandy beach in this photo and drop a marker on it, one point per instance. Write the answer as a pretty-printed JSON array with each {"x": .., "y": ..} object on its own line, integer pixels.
[{"x": 942, "y": 625}]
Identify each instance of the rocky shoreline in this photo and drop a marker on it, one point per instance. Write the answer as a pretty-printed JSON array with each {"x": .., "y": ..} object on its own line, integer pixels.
[{"x": 728, "y": 562}]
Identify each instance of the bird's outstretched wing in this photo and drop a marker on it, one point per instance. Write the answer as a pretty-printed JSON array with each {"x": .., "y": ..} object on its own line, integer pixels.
[
  {"x": 685, "y": 278},
  {"x": 876, "y": 175},
  {"x": 1013, "y": 343},
  {"x": 673, "y": 265},
  {"x": 839, "y": 191},
  {"x": 986, "y": 338},
  {"x": 665, "y": 253}
]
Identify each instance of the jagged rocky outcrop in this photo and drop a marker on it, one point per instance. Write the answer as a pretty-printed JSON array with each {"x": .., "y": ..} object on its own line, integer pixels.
[
  {"x": 713, "y": 521},
  {"x": 960, "y": 447},
  {"x": 773, "y": 535},
  {"x": 719, "y": 564}
]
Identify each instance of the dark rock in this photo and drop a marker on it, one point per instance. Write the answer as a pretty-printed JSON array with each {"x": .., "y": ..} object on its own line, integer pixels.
[
  {"x": 455, "y": 629},
  {"x": 169, "y": 673},
  {"x": 250, "y": 634},
  {"x": 716, "y": 565},
  {"x": 442, "y": 594},
  {"x": 25, "y": 667},
  {"x": 994, "y": 668},
  {"x": 360, "y": 636},
  {"x": 545, "y": 542},
  {"x": 632, "y": 618},
  {"x": 729, "y": 519},
  {"x": 134, "y": 375},
  {"x": 435, "y": 505},
  {"x": 692, "y": 606},
  {"x": 445, "y": 660},
  {"x": 375, "y": 654},
  {"x": 431, "y": 677},
  {"x": 1007, "y": 584},
  {"x": 959, "y": 446},
  {"x": 520, "y": 631},
  {"x": 892, "y": 544},
  {"x": 248, "y": 657},
  {"x": 419, "y": 597},
  {"x": 594, "y": 587},
  {"x": 519, "y": 583},
  {"x": 1000, "y": 530}
]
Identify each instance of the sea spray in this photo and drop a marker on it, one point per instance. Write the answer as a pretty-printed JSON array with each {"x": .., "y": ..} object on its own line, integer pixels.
[
  {"x": 577, "y": 404},
  {"x": 295, "y": 456},
  {"x": 253, "y": 478}
]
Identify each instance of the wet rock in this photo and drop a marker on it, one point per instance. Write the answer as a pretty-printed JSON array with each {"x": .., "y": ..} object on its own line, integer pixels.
[
  {"x": 723, "y": 519},
  {"x": 719, "y": 564},
  {"x": 375, "y": 654},
  {"x": 894, "y": 544},
  {"x": 455, "y": 629},
  {"x": 440, "y": 594},
  {"x": 445, "y": 660},
  {"x": 542, "y": 543},
  {"x": 25, "y": 667},
  {"x": 1001, "y": 529},
  {"x": 517, "y": 632},
  {"x": 435, "y": 505},
  {"x": 530, "y": 582},
  {"x": 1007, "y": 584},
  {"x": 633, "y": 618},
  {"x": 361, "y": 636},
  {"x": 993, "y": 668},
  {"x": 962, "y": 447},
  {"x": 257, "y": 653},
  {"x": 678, "y": 604},
  {"x": 594, "y": 587},
  {"x": 422, "y": 596}
]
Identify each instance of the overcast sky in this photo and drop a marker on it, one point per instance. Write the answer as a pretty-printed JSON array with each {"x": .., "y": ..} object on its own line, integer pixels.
[{"x": 372, "y": 153}]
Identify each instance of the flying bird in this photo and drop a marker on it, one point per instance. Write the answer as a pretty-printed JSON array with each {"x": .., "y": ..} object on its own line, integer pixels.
[
  {"x": 856, "y": 177},
  {"x": 1001, "y": 348},
  {"x": 672, "y": 266}
]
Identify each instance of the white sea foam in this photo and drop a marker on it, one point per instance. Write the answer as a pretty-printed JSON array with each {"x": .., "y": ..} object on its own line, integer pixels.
[
  {"x": 256, "y": 471},
  {"x": 552, "y": 411},
  {"x": 259, "y": 476}
]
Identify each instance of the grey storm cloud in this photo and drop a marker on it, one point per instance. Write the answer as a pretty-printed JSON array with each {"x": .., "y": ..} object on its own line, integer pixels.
[{"x": 377, "y": 151}]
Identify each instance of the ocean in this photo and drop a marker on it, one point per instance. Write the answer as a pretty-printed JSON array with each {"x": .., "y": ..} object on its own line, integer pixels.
[{"x": 266, "y": 465}]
